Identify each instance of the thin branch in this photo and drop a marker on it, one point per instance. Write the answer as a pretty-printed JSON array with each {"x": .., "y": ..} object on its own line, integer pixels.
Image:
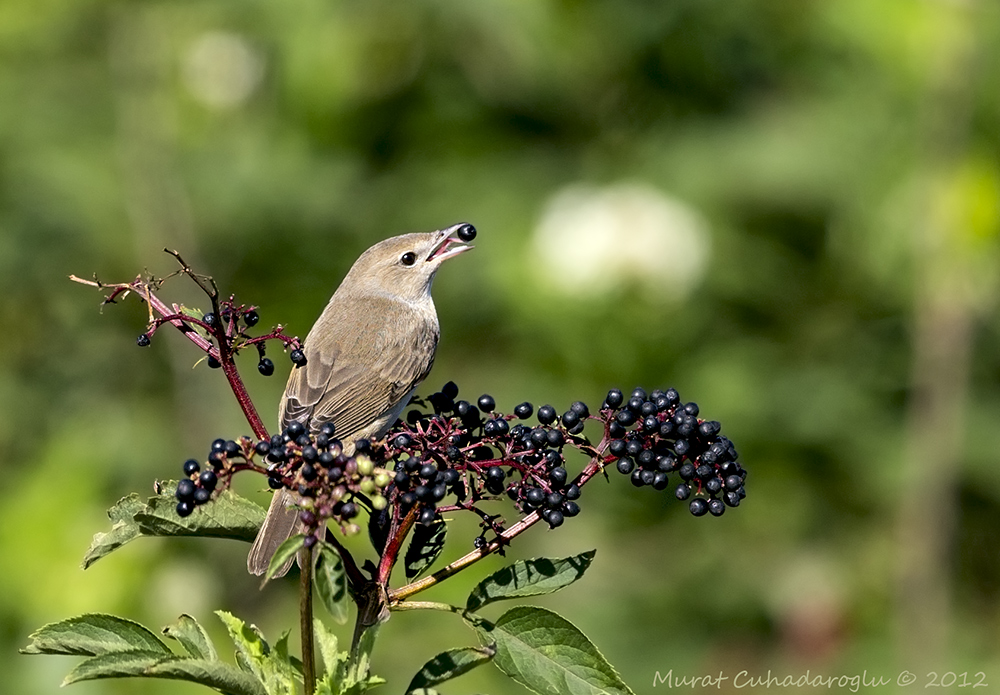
[{"x": 306, "y": 621}]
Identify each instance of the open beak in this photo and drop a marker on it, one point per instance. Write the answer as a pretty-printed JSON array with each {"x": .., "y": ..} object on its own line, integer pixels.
[{"x": 449, "y": 244}]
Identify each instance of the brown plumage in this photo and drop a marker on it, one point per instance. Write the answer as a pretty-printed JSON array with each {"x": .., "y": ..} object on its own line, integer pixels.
[{"x": 367, "y": 352}]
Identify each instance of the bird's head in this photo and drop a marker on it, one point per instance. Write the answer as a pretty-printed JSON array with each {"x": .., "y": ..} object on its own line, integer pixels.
[{"x": 404, "y": 266}]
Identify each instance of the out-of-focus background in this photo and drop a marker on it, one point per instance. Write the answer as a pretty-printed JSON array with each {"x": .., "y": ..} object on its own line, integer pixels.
[{"x": 787, "y": 210}]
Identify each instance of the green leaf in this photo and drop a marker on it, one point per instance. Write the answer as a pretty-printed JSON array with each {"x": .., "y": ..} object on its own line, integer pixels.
[
  {"x": 226, "y": 516},
  {"x": 214, "y": 674},
  {"x": 285, "y": 552},
  {"x": 253, "y": 654},
  {"x": 529, "y": 578},
  {"x": 123, "y": 529},
  {"x": 193, "y": 638},
  {"x": 546, "y": 653},
  {"x": 94, "y": 634},
  {"x": 331, "y": 583},
  {"x": 334, "y": 660},
  {"x": 450, "y": 664},
  {"x": 425, "y": 546},
  {"x": 251, "y": 647},
  {"x": 116, "y": 665}
]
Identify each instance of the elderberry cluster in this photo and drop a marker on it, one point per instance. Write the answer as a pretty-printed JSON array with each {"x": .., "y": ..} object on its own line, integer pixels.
[
  {"x": 470, "y": 452},
  {"x": 657, "y": 434},
  {"x": 330, "y": 485},
  {"x": 453, "y": 455}
]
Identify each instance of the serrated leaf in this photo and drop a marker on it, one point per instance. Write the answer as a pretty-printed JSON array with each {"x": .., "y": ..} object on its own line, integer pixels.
[
  {"x": 192, "y": 637},
  {"x": 94, "y": 634},
  {"x": 251, "y": 647},
  {"x": 331, "y": 583},
  {"x": 546, "y": 653},
  {"x": 426, "y": 544},
  {"x": 334, "y": 660},
  {"x": 450, "y": 664},
  {"x": 115, "y": 665},
  {"x": 226, "y": 516},
  {"x": 123, "y": 529},
  {"x": 529, "y": 578},
  {"x": 253, "y": 654},
  {"x": 285, "y": 552},
  {"x": 214, "y": 674}
]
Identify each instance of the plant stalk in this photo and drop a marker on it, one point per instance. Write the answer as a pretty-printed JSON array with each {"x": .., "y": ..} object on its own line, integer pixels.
[{"x": 306, "y": 622}]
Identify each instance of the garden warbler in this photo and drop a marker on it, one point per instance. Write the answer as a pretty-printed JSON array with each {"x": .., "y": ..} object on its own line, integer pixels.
[{"x": 365, "y": 355}]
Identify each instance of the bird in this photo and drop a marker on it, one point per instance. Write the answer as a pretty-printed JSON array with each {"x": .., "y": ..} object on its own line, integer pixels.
[{"x": 367, "y": 352}]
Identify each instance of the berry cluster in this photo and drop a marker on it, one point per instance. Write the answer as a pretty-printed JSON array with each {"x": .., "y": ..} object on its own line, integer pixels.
[
  {"x": 453, "y": 455},
  {"x": 655, "y": 435},
  {"x": 471, "y": 452},
  {"x": 329, "y": 484}
]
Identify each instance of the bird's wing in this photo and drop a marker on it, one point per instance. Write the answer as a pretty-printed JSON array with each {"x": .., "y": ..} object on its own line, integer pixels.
[{"x": 354, "y": 379}]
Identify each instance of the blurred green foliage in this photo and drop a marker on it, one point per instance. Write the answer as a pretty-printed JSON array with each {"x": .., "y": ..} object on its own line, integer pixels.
[{"x": 843, "y": 157}]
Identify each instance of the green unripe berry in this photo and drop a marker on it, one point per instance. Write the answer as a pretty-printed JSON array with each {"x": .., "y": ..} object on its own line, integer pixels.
[
  {"x": 382, "y": 479},
  {"x": 379, "y": 503},
  {"x": 365, "y": 465}
]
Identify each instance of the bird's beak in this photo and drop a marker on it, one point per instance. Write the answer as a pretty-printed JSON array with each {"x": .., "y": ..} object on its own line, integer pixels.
[{"x": 448, "y": 245}]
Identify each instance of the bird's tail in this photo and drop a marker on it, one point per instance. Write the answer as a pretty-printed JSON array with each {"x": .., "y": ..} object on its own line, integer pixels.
[{"x": 281, "y": 522}]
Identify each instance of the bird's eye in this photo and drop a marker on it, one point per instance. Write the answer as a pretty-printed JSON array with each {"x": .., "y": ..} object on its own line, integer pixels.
[{"x": 408, "y": 258}]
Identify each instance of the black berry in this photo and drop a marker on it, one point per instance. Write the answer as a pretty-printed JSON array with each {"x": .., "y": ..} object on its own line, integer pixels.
[
  {"x": 298, "y": 358},
  {"x": 191, "y": 467},
  {"x": 466, "y": 232},
  {"x": 142, "y": 340},
  {"x": 208, "y": 480},
  {"x": 570, "y": 419},
  {"x": 265, "y": 366},
  {"x": 698, "y": 506},
  {"x": 546, "y": 415},
  {"x": 614, "y": 398},
  {"x": 185, "y": 489},
  {"x": 486, "y": 403},
  {"x": 558, "y": 476},
  {"x": 524, "y": 410},
  {"x": 251, "y": 318},
  {"x": 625, "y": 417},
  {"x": 534, "y": 496}
]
